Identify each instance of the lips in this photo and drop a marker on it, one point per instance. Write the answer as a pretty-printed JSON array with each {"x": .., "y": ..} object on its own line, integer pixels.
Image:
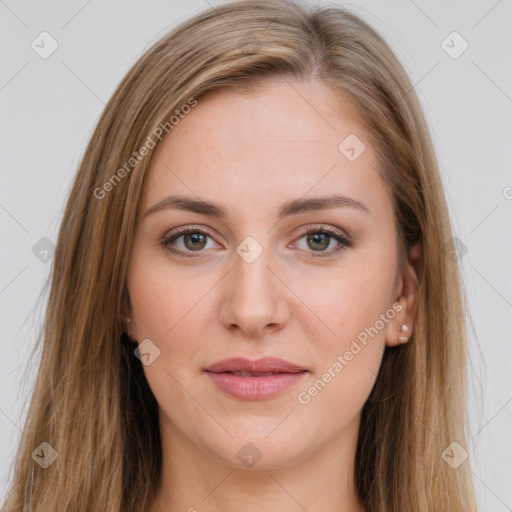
[
  {"x": 255, "y": 380},
  {"x": 265, "y": 365},
  {"x": 252, "y": 374}
]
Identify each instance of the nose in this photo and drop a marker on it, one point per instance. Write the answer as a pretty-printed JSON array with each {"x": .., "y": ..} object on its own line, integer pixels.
[{"x": 254, "y": 298}]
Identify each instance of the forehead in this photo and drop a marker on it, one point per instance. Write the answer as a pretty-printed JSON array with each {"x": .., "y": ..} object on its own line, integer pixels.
[{"x": 282, "y": 139}]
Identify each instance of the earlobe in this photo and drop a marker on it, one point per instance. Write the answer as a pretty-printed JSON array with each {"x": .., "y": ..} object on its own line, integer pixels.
[
  {"x": 127, "y": 316},
  {"x": 400, "y": 329},
  {"x": 128, "y": 327},
  {"x": 404, "y": 329}
]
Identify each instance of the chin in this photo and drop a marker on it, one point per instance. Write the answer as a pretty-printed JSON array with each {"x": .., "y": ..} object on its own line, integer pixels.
[{"x": 255, "y": 452}]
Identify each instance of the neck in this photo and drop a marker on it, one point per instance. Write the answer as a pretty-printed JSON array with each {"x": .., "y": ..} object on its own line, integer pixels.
[{"x": 194, "y": 481}]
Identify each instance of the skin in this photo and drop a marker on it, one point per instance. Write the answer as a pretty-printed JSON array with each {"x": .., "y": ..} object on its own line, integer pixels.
[{"x": 251, "y": 153}]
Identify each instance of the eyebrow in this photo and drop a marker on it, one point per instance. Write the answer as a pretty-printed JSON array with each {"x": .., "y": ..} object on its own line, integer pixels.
[{"x": 293, "y": 207}]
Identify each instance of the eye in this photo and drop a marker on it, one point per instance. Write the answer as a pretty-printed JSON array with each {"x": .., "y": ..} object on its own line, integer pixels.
[
  {"x": 194, "y": 240},
  {"x": 319, "y": 239},
  {"x": 189, "y": 240}
]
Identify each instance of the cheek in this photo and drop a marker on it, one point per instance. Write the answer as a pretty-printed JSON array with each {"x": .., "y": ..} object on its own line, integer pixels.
[
  {"x": 342, "y": 303},
  {"x": 171, "y": 307},
  {"x": 355, "y": 312},
  {"x": 347, "y": 359},
  {"x": 165, "y": 299},
  {"x": 165, "y": 308}
]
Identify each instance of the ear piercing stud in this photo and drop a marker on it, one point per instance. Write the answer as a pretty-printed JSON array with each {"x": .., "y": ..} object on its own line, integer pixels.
[{"x": 403, "y": 328}]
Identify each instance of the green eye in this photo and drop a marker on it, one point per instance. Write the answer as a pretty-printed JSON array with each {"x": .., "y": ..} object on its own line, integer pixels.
[
  {"x": 194, "y": 240},
  {"x": 319, "y": 240},
  {"x": 322, "y": 240}
]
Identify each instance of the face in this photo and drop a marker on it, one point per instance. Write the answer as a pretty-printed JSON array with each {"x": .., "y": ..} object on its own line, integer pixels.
[{"x": 268, "y": 273}]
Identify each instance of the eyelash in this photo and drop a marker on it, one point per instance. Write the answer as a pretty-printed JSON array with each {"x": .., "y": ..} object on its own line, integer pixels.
[{"x": 344, "y": 242}]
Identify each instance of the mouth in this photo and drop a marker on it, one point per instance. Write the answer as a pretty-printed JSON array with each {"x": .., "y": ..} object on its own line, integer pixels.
[
  {"x": 255, "y": 380},
  {"x": 259, "y": 366},
  {"x": 240, "y": 373}
]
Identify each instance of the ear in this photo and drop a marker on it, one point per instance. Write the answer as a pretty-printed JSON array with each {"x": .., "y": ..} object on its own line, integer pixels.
[{"x": 407, "y": 298}]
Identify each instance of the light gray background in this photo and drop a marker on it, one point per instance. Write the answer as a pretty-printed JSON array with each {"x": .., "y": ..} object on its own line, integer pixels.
[{"x": 50, "y": 106}]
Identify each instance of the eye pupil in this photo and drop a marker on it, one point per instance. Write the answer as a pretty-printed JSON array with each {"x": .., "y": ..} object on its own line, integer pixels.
[
  {"x": 320, "y": 238},
  {"x": 195, "y": 238}
]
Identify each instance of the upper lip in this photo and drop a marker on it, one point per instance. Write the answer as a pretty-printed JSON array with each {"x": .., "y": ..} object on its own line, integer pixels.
[{"x": 265, "y": 364}]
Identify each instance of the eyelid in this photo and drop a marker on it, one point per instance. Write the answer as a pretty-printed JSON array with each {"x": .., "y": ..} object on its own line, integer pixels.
[
  {"x": 314, "y": 228},
  {"x": 188, "y": 228}
]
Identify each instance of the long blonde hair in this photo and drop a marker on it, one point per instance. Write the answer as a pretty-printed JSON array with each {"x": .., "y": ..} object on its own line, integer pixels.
[{"x": 91, "y": 402}]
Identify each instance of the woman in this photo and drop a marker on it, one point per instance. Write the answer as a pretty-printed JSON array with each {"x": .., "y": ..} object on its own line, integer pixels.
[{"x": 251, "y": 303}]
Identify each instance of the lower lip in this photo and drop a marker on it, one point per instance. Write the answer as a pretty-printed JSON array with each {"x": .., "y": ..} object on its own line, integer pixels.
[{"x": 255, "y": 388}]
